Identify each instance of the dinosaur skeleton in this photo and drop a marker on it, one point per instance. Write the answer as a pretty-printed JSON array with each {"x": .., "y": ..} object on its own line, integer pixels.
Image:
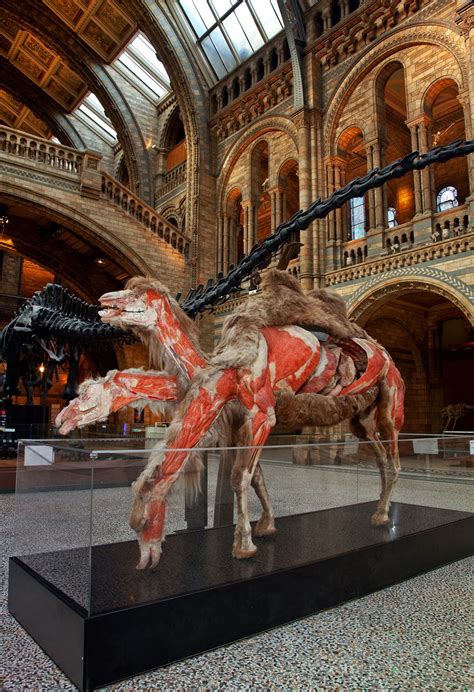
[{"x": 55, "y": 313}]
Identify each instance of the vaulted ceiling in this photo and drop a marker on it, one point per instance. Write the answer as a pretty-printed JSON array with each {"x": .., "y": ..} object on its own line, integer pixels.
[{"x": 105, "y": 29}]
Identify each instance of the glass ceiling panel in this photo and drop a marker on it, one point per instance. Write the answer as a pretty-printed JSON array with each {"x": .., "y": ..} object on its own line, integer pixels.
[
  {"x": 230, "y": 31},
  {"x": 142, "y": 68},
  {"x": 139, "y": 63},
  {"x": 94, "y": 116}
]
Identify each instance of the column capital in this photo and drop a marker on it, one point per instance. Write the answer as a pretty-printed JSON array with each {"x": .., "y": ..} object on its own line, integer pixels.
[{"x": 422, "y": 119}]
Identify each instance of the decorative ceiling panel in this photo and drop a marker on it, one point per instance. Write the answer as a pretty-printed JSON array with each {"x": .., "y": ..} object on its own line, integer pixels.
[
  {"x": 14, "y": 114},
  {"x": 100, "y": 23},
  {"x": 40, "y": 64}
]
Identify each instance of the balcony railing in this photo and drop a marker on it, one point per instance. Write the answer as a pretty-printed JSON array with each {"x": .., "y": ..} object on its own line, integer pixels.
[
  {"x": 83, "y": 167},
  {"x": 403, "y": 258},
  {"x": 125, "y": 200},
  {"x": 42, "y": 151},
  {"x": 175, "y": 177}
]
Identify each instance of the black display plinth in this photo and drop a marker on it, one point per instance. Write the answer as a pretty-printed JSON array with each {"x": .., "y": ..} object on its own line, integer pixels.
[{"x": 200, "y": 598}]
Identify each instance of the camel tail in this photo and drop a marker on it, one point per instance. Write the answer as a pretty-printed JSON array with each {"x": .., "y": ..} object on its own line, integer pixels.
[{"x": 192, "y": 473}]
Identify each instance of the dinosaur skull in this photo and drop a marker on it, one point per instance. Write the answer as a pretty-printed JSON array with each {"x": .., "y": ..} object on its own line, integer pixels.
[{"x": 127, "y": 309}]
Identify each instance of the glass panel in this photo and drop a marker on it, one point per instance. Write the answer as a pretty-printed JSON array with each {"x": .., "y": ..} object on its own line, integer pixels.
[
  {"x": 143, "y": 75},
  {"x": 145, "y": 50},
  {"x": 221, "y": 6},
  {"x": 73, "y": 507},
  {"x": 237, "y": 36},
  {"x": 194, "y": 17},
  {"x": 97, "y": 120},
  {"x": 53, "y": 514},
  {"x": 269, "y": 16},
  {"x": 223, "y": 49},
  {"x": 357, "y": 218},
  {"x": 251, "y": 30},
  {"x": 214, "y": 58}
]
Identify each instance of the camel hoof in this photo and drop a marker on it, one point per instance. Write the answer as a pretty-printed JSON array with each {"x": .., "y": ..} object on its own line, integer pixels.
[
  {"x": 380, "y": 519},
  {"x": 243, "y": 554},
  {"x": 264, "y": 529}
]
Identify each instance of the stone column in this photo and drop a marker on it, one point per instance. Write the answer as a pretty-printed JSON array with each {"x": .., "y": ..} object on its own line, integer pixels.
[
  {"x": 339, "y": 174},
  {"x": 304, "y": 174},
  {"x": 220, "y": 241},
  {"x": 427, "y": 192},
  {"x": 249, "y": 225},
  {"x": 380, "y": 210},
  {"x": 332, "y": 259},
  {"x": 276, "y": 200},
  {"x": 225, "y": 244},
  {"x": 413, "y": 127},
  {"x": 370, "y": 194},
  {"x": 465, "y": 20}
]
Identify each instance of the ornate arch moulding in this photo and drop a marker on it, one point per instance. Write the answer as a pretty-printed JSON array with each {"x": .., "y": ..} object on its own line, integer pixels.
[
  {"x": 404, "y": 37},
  {"x": 419, "y": 278},
  {"x": 85, "y": 225},
  {"x": 248, "y": 137}
]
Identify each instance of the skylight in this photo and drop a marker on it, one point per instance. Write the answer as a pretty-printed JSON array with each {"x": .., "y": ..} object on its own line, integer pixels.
[
  {"x": 230, "y": 31},
  {"x": 94, "y": 116},
  {"x": 140, "y": 65}
]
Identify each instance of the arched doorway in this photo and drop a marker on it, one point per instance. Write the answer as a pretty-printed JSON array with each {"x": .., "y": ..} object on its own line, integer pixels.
[{"x": 431, "y": 341}]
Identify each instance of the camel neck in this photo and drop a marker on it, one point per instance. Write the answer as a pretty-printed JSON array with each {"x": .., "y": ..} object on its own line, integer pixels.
[{"x": 178, "y": 343}]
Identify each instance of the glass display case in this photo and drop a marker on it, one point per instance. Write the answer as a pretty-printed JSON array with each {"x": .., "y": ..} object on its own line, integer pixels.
[{"x": 76, "y": 555}]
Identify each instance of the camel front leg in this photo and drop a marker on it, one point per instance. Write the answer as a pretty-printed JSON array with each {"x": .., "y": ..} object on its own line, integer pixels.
[
  {"x": 197, "y": 413},
  {"x": 261, "y": 419}
]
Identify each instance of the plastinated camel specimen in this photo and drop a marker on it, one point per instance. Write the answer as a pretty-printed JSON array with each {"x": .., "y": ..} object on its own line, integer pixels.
[
  {"x": 270, "y": 363},
  {"x": 284, "y": 354}
]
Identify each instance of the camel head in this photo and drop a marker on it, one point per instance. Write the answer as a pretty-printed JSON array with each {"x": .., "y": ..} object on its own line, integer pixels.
[
  {"x": 139, "y": 307},
  {"x": 94, "y": 403}
]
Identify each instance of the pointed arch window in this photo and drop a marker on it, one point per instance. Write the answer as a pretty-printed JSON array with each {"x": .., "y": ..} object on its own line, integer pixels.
[
  {"x": 447, "y": 198},
  {"x": 357, "y": 207}
]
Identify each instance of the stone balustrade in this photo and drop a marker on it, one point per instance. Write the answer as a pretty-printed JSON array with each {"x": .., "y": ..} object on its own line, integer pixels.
[
  {"x": 404, "y": 258},
  {"x": 42, "y": 151},
  {"x": 175, "y": 177},
  {"x": 80, "y": 171},
  {"x": 124, "y": 199},
  {"x": 355, "y": 251}
]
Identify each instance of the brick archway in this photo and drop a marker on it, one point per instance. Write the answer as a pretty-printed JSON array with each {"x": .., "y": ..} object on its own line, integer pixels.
[{"x": 370, "y": 296}]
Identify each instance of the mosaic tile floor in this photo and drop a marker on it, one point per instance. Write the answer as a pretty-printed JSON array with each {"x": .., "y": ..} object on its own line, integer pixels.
[{"x": 411, "y": 636}]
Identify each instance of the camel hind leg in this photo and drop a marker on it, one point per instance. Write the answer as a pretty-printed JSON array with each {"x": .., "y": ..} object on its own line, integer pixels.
[{"x": 386, "y": 418}]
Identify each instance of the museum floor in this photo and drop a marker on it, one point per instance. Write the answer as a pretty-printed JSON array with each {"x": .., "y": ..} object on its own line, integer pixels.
[{"x": 413, "y": 635}]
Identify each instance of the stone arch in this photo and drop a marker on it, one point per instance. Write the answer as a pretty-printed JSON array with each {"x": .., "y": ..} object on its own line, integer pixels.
[
  {"x": 364, "y": 300},
  {"x": 84, "y": 224},
  {"x": 42, "y": 22},
  {"x": 439, "y": 34},
  {"x": 435, "y": 88},
  {"x": 345, "y": 137},
  {"x": 258, "y": 129},
  {"x": 170, "y": 122}
]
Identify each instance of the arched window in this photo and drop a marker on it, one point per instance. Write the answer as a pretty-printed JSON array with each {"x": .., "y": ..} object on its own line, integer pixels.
[
  {"x": 392, "y": 217},
  {"x": 357, "y": 207},
  {"x": 447, "y": 198}
]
